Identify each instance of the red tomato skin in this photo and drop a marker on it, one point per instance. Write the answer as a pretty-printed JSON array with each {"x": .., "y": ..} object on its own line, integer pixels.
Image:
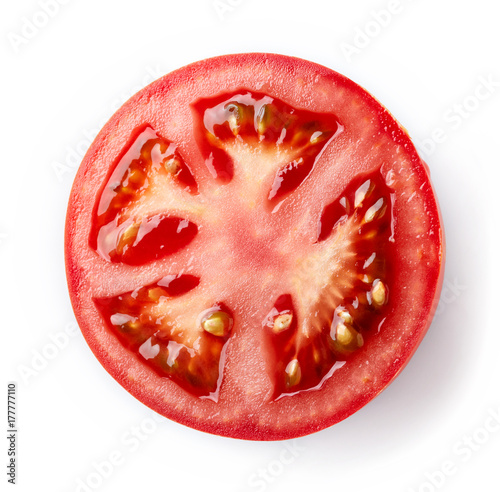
[{"x": 142, "y": 382}]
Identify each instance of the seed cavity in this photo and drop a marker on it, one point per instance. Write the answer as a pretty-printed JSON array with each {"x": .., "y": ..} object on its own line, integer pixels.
[
  {"x": 282, "y": 322},
  {"x": 218, "y": 323},
  {"x": 335, "y": 325},
  {"x": 293, "y": 373},
  {"x": 379, "y": 293}
]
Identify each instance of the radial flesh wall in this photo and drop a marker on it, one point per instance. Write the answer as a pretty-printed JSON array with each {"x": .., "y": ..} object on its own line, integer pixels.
[{"x": 253, "y": 247}]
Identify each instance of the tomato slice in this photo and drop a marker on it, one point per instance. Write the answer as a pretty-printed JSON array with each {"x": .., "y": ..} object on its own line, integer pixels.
[{"x": 257, "y": 253}]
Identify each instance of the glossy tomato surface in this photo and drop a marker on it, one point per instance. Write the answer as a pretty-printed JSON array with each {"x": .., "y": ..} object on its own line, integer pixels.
[{"x": 253, "y": 246}]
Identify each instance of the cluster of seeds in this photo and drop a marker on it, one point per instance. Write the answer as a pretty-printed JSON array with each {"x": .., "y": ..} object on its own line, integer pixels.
[{"x": 347, "y": 311}]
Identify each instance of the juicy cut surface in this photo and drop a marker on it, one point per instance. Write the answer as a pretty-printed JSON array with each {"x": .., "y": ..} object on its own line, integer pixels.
[{"x": 324, "y": 305}]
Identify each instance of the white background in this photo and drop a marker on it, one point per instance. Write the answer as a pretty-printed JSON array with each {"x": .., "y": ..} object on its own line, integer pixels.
[{"x": 435, "y": 65}]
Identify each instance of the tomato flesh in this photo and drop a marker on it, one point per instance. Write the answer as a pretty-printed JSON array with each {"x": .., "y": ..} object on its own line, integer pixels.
[{"x": 255, "y": 255}]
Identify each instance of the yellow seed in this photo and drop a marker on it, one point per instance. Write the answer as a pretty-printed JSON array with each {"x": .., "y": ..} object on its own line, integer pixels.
[
  {"x": 343, "y": 334},
  {"x": 348, "y": 337},
  {"x": 379, "y": 293},
  {"x": 261, "y": 126},
  {"x": 293, "y": 373},
  {"x": 136, "y": 177},
  {"x": 193, "y": 366},
  {"x": 345, "y": 316},
  {"x": 377, "y": 210},
  {"x": 359, "y": 340},
  {"x": 218, "y": 324},
  {"x": 362, "y": 192},
  {"x": 367, "y": 279},
  {"x": 316, "y": 356},
  {"x": 156, "y": 293},
  {"x": 126, "y": 190},
  {"x": 212, "y": 139},
  {"x": 359, "y": 197},
  {"x": 127, "y": 237},
  {"x": 299, "y": 138},
  {"x": 233, "y": 124},
  {"x": 282, "y": 322},
  {"x": 129, "y": 232},
  {"x": 370, "y": 234},
  {"x": 263, "y": 119},
  {"x": 172, "y": 165},
  {"x": 133, "y": 325},
  {"x": 316, "y": 137}
]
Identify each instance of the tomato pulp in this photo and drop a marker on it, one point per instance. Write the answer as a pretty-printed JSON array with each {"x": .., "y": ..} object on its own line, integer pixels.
[{"x": 253, "y": 246}]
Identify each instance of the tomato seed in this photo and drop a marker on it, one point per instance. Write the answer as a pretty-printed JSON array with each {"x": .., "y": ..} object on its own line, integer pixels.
[
  {"x": 345, "y": 316},
  {"x": 156, "y": 293},
  {"x": 218, "y": 324},
  {"x": 375, "y": 211},
  {"x": 282, "y": 322},
  {"x": 346, "y": 338},
  {"x": 343, "y": 335},
  {"x": 293, "y": 373},
  {"x": 172, "y": 165},
  {"x": 379, "y": 293}
]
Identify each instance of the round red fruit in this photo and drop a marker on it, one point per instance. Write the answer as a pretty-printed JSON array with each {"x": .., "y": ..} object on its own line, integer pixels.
[{"x": 253, "y": 246}]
